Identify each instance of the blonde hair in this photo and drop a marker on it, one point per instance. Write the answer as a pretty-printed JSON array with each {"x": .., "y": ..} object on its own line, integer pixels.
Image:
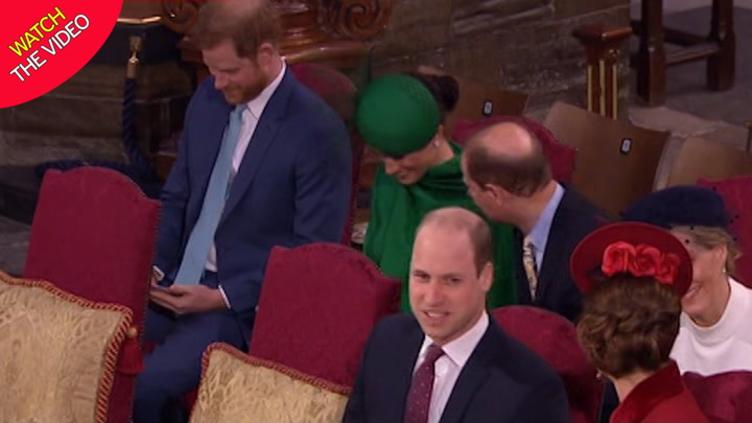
[{"x": 709, "y": 237}]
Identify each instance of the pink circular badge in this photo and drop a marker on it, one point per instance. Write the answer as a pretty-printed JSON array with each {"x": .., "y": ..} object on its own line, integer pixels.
[{"x": 46, "y": 42}]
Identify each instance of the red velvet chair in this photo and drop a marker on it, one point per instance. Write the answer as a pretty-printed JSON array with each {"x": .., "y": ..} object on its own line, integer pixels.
[
  {"x": 737, "y": 195},
  {"x": 339, "y": 92},
  {"x": 93, "y": 235},
  {"x": 562, "y": 157},
  {"x": 723, "y": 397},
  {"x": 318, "y": 305},
  {"x": 555, "y": 339}
]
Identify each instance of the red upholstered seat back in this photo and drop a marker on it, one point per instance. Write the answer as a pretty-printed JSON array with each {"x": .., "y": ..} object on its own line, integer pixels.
[
  {"x": 723, "y": 397},
  {"x": 560, "y": 156},
  {"x": 554, "y": 338},
  {"x": 318, "y": 305},
  {"x": 339, "y": 92},
  {"x": 93, "y": 235},
  {"x": 737, "y": 195},
  {"x": 333, "y": 86}
]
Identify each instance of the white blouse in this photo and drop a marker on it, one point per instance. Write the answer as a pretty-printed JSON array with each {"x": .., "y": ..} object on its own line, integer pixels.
[{"x": 723, "y": 347}]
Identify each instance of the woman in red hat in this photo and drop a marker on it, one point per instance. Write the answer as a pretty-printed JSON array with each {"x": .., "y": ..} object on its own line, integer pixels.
[{"x": 633, "y": 276}]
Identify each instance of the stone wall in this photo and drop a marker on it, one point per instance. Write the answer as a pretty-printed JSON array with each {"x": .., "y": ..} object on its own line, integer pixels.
[
  {"x": 524, "y": 45},
  {"x": 81, "y": 119}
]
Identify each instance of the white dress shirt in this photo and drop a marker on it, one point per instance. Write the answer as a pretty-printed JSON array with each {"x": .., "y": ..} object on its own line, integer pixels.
[
  {"x": 539, "y": 233},
  {"x": 448, "y": 367}
]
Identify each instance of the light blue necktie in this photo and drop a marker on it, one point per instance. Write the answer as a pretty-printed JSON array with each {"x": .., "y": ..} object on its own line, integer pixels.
[{"x": 202, "y": 235}]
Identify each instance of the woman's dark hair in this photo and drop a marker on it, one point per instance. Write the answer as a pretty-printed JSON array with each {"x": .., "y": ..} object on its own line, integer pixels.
[
  {"x": 444, "y": 88},
  {"x": 629, "y": 324}
]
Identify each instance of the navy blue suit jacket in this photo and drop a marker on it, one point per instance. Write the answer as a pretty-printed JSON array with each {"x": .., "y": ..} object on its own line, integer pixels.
[
  {"x": 292, "y": 187},
  {"x": 574, "y": 219},
  {"x": 502, "y": 381}
]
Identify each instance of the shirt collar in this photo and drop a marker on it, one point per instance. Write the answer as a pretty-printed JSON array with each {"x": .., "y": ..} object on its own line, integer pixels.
[
  {"x": 460, "y": 350},
  {"x": 661, "y": 385},
  {"x": 539, "y": 234},
  {"x": 258, "y": 104}
]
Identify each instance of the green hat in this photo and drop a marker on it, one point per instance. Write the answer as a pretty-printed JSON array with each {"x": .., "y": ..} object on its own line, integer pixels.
[{"x": 397, "y": 115}]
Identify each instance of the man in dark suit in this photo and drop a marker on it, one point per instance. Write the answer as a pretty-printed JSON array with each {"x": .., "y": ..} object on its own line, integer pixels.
[
  {"x": 509, "y": 177},
  {"x": 449, "y": 362},
  {"x": 262, "y": 162}
]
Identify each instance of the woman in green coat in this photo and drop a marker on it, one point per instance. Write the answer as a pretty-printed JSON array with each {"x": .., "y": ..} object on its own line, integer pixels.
[{"x": 401, "y": 116}]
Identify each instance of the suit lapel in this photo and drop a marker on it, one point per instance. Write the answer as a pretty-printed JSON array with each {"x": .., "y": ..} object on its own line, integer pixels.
[
  {"x": 471, "y": 378},
  {"x": 263, "y": 137},
  {"x": 402, "y": 370}
]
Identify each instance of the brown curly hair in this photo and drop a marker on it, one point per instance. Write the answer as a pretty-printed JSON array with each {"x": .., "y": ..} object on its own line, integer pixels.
[
  {"x": 629, "y": 324},
  {"x": 248, "y": 24}
]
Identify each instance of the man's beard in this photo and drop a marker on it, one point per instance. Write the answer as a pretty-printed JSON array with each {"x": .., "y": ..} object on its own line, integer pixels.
[{"x": 239, "y": 95}]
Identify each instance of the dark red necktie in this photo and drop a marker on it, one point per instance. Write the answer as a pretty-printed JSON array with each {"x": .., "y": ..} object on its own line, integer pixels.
[{"x": 419, "y": 397}]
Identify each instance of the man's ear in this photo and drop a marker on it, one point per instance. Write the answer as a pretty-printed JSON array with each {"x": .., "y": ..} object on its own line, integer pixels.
[
  {"x": 498, "y": 193},
  {"x": 264, "y": 54},
  {"x": 486, "y": 276}
]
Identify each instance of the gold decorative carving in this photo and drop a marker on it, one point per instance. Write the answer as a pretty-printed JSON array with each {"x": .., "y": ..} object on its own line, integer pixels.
[
  {"x": 335, "y": 32},
  {"x": 357, "y": 19}
]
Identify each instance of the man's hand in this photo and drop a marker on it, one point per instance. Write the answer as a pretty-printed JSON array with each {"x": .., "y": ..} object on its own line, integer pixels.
[{"x": 184, "y": 299}]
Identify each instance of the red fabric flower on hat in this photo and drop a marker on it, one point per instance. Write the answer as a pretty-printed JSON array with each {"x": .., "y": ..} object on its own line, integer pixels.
[
  {"x": 616, "y": 258},
  {"x": 646, "y": 261},
  {"x": 668, "y": 268},
  {"x": 641, "y": 260}
]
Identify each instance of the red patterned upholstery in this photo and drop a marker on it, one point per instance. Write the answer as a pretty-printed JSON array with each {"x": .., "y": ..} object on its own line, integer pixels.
[
  {"x": 555, "y": 339},
  {"x": 339, "y": 92},
  {"x": 93, "y": 235},
  {"x": 318, "y": 305},
  {"x": 737, "y": 195},
  {"x": 560, "y": 156},
  {"x": 723, "y": 397}
]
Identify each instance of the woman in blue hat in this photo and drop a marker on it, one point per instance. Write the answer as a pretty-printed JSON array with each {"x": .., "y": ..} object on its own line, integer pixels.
[
  {"x": 716, "y": 322},
  {"x": 401, "y": 116}
]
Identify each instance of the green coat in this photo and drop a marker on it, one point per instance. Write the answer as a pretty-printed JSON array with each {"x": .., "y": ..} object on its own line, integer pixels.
[{"x": 396, "y": 212}]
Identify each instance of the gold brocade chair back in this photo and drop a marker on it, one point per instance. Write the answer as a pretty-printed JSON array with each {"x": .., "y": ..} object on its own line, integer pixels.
[
  {"x": 93, "y": 235},
  {"x": 60, "y": 353}
]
